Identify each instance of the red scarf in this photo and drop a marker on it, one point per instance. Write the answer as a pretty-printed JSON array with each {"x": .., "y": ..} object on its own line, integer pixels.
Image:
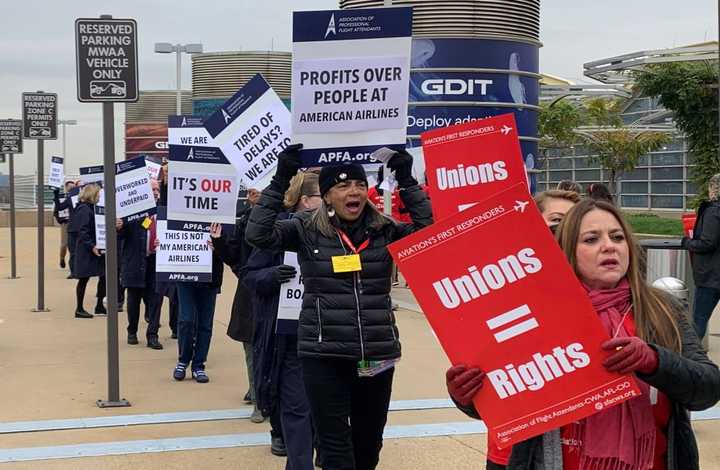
[{"x": 621, "y": 437}]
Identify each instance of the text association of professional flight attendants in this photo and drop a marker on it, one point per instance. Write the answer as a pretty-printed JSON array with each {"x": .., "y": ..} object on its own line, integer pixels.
[
  {"x": 650, "y": 337},
  {"x": 347, "y": 339}
]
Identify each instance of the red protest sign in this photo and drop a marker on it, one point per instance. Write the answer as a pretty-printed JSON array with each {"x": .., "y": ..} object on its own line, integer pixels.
[
  {"x": 470, "y": 162},
  {"x": 501, "y": 296}
]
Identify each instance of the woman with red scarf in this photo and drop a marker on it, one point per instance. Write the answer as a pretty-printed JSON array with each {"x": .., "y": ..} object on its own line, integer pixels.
[{"x": 650, "y": 336}]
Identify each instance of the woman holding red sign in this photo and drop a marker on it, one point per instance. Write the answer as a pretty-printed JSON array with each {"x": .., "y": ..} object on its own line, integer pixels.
[
  {"x": 650, "y": 337},
  {"x": 347, "y": 339}
]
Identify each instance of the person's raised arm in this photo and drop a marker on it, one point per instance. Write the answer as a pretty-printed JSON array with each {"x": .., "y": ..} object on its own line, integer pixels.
[
  {"x": 413, "y": 197},
  {"x": 264, "y": 231}
]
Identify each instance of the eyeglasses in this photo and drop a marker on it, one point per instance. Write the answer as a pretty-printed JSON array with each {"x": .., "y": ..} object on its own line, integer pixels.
[{"x": 314, "y": 195}]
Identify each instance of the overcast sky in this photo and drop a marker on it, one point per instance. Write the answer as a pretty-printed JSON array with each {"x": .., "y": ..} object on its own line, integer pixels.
[{"x": 37, "y": 50}]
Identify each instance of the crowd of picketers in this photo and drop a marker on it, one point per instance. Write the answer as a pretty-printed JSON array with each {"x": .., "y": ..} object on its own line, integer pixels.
[{"x": 325, "y": 381}]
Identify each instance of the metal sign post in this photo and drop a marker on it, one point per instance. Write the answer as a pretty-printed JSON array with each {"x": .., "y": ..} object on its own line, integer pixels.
[
  {"x": 11, "y": 141},
  {"x": 106, "y": 54},
  {"x": 40, "y": 123}
]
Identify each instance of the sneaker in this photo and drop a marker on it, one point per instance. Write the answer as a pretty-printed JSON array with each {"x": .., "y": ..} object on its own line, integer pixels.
[
  {"x": 200, "y": 376},
  {"x": 256, "y": 416},
  {"x": 132, "y": 339},
  {"x": 83, "y": 314},
  {"x": 277, "y": 447},
  {"x": 179, "y": 372},
  {"x": 247, "y": 399}
]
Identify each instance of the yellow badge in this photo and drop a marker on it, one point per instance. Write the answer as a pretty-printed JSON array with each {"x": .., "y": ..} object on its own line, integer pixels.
[
  {"x": 147, "y": 223},
  {"x": 346, "y": 264}
]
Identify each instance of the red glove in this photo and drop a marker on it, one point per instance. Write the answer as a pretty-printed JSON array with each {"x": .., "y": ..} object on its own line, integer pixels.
[
  {"x": 463, "y": 383},
  {"x": 630, "y": 354}
]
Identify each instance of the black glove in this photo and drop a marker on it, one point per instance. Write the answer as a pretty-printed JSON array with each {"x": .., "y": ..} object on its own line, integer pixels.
[
  {"x": 401, "y": 164},
  {"x": 288, "y": 164},
  {"x": 284, "y": 273}
]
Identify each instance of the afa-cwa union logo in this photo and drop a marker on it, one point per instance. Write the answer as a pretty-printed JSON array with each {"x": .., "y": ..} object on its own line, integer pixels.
[{"x": 331, "y": 26}]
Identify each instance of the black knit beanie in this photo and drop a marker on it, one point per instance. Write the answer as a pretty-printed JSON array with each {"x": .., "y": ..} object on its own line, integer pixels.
[{"x": 332, "y": 175}]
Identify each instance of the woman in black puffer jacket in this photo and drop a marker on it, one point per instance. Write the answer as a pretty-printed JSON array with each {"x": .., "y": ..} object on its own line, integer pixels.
[{"x": 347, "y": 338}]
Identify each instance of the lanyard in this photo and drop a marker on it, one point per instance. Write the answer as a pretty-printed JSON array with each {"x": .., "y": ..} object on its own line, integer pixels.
[{"x": 350, "y": 244}]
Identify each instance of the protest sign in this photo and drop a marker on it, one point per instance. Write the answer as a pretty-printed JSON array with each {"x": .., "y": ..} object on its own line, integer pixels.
[
  {"x": 470, "y": 162},
  {"x": 505, "y": 300},
  {"x": 251, "y": 129},
  {"x": 91, "y": 174},
  {"x": 153, "y": 168},
  {"x": 56, "y": 178},
  {"x": 74, "y": 195},
  {"x": 290, "y": 303},
  {"x": 133, "y": 192},
  {"x": 202, "y": 183},
  {"x": 350, "y": 79},
  {"x": 99, "y": 210},
  {"x": 183, "y": 254}
]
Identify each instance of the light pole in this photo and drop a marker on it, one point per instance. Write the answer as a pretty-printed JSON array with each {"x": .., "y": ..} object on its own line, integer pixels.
[
  {"x": 63, "y": 123},
  {"x": 167, "y": 48}
]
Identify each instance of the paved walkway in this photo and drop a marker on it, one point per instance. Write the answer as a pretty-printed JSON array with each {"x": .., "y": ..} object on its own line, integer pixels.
[{"x": 54, "y": 368}]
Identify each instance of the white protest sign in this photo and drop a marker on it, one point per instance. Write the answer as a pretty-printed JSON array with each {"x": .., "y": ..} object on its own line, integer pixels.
[
  {"x": 153, "y": 169},
  {"x": 202, "y": 184},
  {"x": 99, "y": 210},
  {"x": 91, "y": 174},
  {"x": 350, "y": 81},
  {"x": 182, "y": 255},
  {"x": 291, "y": 294},
  {"x": 133, "y": 193},
  {"x": 251, "y": 129},
  {"x": 56, "y": 178}
]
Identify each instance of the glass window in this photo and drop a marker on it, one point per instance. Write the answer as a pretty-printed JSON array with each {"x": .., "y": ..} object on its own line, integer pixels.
[
  {"x": 634, "y": 188},
  {"x": 553, "y": 152},
  {"x": 636, "y": 174},
  {"x": 676, "y": 145},
  {"x": 643, "y": 161},
  {"x": 634, "y": 201},
  {"x": 560, "y": 163},
  {"x": 674, "y": 187},
  {"x": 667, "y": 202},
  {"x": 670, "y": 158},
  {"x": 541, "y": 186},
  {"x": 581, "y": 150},
  {"x": 587, "y": 175},
  {"x": 557, "y": 176},
  {"x": 690, "y": 188},
  {"x": 586, "y": 163},
  {"x": 567, "y": 152},
  {"x": 667, "y": 174},
  {"x": 641, "y": 104}
]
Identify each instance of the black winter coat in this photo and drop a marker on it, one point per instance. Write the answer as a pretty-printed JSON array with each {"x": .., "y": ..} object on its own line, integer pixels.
[
  {"x": 268, "y": 348},
  {"x": 134, "y": 262},
  {"x": 705, "y": 245},
  {"x": 344, "y": 315},
  {"x": 691, "y": 382},
  {"x": 86, "y": 263},
  {"x": 234, "y": 251}
]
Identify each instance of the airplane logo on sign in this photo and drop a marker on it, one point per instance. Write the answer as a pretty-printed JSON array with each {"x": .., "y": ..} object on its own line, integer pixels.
[
  {"x": 225, "y": 115},
  {"x": 331, "y": 26},
  {"x": 520, "y": 206},
  {"x": 191, "y": 155},
  {"x": 506, "y": 130}
]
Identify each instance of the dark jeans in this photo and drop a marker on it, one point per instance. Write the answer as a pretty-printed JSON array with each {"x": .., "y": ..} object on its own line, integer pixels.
[
  {"x": 349, "y": 412},
  {"x": 195, "y": 322},
  {"x": 153, "y": 303},
  {"x": 295, "y": 411},
  {"x": 706, "y": 298}
]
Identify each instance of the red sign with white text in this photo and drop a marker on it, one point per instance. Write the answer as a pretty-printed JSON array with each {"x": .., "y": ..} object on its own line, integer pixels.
[
  {"x": 501, "y": 297},
  {"x": 468, "y": 163}
]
